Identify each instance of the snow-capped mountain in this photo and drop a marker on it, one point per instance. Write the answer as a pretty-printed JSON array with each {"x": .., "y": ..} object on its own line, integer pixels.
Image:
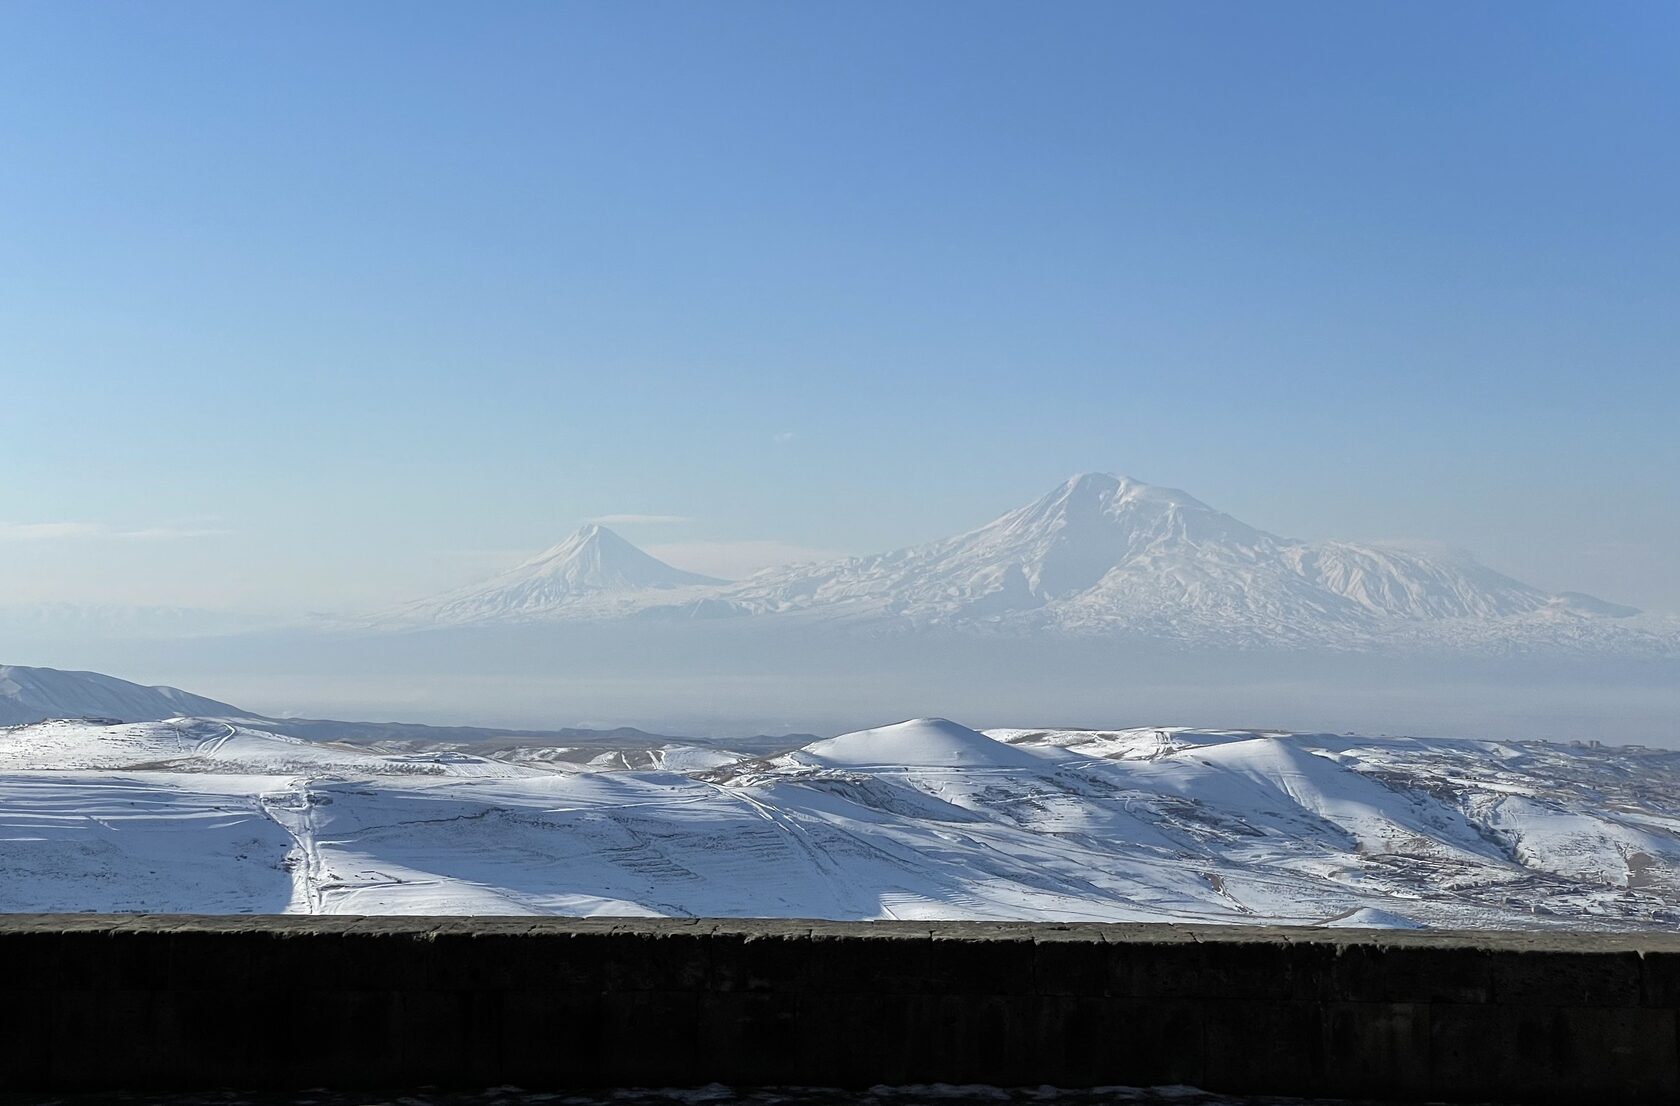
[
  {"x": 591, "y": 565},
  {"x": 34, "y": 694},
  {"x": 1109, "y": 554},
  {"x": 1099, "y": 555},
  {"x": 1110, "y": 549}
]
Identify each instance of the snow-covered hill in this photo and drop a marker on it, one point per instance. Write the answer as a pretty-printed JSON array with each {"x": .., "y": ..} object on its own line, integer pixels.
[
  {"x": 34, "y": 694},
  {"x": 594, "y": 564},
  {"x": 1100, "y": 555},
  {"x": 925, "y": 819},
  {"x": 919, "y": 743}
]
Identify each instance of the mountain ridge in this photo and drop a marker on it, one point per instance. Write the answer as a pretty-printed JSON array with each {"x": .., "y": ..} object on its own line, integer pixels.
[
  {"x": 1102, "y": 554},
  {"x": 30, "y": 695}
]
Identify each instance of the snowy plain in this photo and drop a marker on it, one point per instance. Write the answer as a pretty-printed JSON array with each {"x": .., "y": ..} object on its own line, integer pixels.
[{"x": 921, "y": 820}]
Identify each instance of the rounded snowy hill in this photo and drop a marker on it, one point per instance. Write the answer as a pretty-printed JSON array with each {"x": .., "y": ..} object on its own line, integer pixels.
[
  {"x": 918, "y": 743},
  {"x": 923, "y": 819},
  {"x": 36, "y": 694}
]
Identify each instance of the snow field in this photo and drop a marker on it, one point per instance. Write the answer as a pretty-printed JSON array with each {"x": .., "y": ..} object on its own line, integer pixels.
[{"x": 925, "y": 819}]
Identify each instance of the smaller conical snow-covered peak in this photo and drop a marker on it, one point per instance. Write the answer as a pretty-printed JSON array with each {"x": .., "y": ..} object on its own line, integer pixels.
[
  {"x": 918, "y": 743},
  {"x": 591, "y": 563},
  {"x": 596, "y": 559},
  {"x": 580, "y": 540}
]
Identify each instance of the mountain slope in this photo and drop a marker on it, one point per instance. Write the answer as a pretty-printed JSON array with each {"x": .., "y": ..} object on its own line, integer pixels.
[
  {"x": 592, "y": 564},
  {"x": 925, "y": 819},
  {"x": 1108, "y": 554},
  {"x": 1099, "y": 555},
  {"x": 34, "y": 694}
]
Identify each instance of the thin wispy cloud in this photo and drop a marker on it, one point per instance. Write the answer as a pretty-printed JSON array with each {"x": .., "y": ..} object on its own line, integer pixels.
[
  {"x": 98, "y": 531},
  {"x": 639, "y": 520},
  {"x": 783, "y": 437}
]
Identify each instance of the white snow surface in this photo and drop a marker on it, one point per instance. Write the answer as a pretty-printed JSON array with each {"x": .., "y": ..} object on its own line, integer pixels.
[
  {"x": 36, "y": 694},
  {"x": 918, "y": 743},
  {"x": 1099, "y": 555},
  {"x": 924, "y": 819}
]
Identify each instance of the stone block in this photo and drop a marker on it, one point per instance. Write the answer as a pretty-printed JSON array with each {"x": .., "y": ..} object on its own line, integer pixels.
[
  {"x": 1659, "y": 973},
  {"x": 1001, "y": 963},
  {"x": 1509, "y": 1053},
  {"x": 888, "y": 963},
  {"x": 1376, "y": 1050},
  {"x": 748, "y": 1038},
  {"x": 1559, "y": 978},
  {"x": 1071, "y": 964},
  {"x": 777, "y": 961},
  {"x": 651, "y": 1038},
  {"x": 1441, "y": 973}
]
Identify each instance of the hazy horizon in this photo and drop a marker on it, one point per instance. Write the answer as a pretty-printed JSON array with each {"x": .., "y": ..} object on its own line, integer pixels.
[
  {"x": 725, "y": 559},
  {"x": 316, "y": 311},
  {"x": 325, "y": 308}
]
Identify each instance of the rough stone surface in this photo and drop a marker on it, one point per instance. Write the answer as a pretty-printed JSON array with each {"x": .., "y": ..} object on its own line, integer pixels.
[{"x": 182, "y": 1003}]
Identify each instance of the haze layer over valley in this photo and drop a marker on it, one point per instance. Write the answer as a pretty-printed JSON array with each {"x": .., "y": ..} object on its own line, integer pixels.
[{"x": 1106, "y": 601}]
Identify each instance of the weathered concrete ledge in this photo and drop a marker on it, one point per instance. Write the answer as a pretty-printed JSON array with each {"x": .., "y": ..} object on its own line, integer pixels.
[{"x": 156, "y": 1002}]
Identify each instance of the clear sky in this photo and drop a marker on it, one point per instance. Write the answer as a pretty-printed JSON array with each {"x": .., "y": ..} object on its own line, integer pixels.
[{"x": 324, "y": 305}]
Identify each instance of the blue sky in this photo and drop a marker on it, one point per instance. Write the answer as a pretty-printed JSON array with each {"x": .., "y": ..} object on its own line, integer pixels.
[{"x": 320, "y": 305}]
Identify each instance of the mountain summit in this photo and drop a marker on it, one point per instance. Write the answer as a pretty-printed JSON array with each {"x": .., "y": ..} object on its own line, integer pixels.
[
  {"x": 1112, "y": 555},
  {"x": 1068, "y": 540},
  {"x": 1099, "y": 555},
  {"x": 593, "y": 563},
  {"x": 595, "y": 559}
]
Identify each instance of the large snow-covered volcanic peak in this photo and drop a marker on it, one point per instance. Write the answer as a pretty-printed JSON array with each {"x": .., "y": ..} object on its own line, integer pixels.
[
  {"x": 1106, "y": 552},
  {"x": 1099, "y": 555},
  {"x": 35, "y": 694},
  {"x": 593, "y": 563}
]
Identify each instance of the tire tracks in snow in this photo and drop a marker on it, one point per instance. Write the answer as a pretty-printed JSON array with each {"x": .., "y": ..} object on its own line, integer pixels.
[
  {"x": 293, "y": 810},
  {"x": 801, "y": 838}
]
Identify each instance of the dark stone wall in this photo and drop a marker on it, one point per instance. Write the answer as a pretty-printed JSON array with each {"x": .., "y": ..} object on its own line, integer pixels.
[{"x": 285, "y": 1002}]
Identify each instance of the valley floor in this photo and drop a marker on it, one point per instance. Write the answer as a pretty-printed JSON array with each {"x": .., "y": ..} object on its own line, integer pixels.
[{"x": 922, "y": 820}]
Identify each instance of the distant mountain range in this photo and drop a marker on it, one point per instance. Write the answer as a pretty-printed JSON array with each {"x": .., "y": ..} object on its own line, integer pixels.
[{"x": 1100, "y": 555}]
